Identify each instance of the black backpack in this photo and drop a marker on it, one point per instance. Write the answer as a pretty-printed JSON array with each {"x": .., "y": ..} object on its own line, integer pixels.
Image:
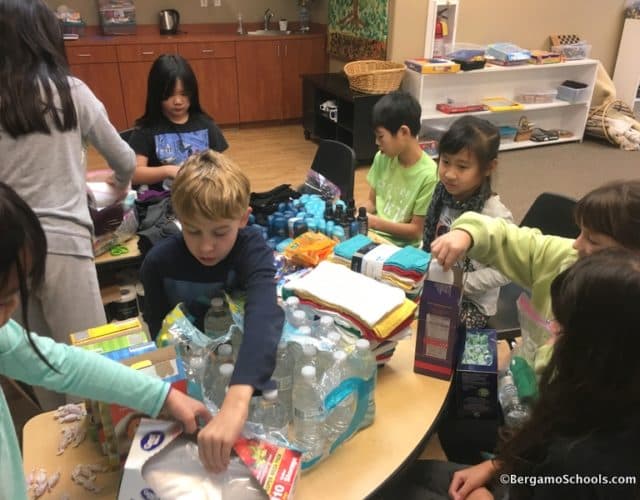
[{"x": 265, "y": 203}]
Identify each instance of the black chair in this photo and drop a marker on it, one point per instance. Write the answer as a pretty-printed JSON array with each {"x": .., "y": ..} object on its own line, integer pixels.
[
  {"x": 552, "y": 214},
  {"x": 125, "y": 135},
  {"x": 337, "y": 162}
]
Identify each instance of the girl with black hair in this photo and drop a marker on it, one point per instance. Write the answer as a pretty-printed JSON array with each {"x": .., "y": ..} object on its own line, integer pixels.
[
  {"x": 468, "y": 157},
  {"x": 583, "y": 436},
  {"x": 173, "y": 126},
  {"x": 46, "y": 118},
  {"x": 41, "y": 361}
]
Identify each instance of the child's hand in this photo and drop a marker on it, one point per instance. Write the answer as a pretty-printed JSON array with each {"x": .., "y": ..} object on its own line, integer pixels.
[
  {"x": 120, "y": 191},
  {"x": 216, "y": 440},
  {"x": 451, "y": 247},
  {"x": 170, "y": 171},
  {"x": 186, "y": 410},
  {"x": 372, "y": 221},
  {"x": 468, "y": 480}
]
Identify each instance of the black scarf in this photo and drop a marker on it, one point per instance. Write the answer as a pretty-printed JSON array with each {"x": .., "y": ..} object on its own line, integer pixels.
[{"x": 441, "y": 198}]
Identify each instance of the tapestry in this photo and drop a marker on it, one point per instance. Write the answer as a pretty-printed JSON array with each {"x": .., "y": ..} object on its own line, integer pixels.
[{"x": 358, "y": 29}]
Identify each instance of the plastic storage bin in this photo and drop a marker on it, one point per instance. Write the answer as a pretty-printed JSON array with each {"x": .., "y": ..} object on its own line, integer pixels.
[
  {"x": 571, "y": 91},
  {"x": 573, "y": 50},
  {"x": 535, "y": 96}
]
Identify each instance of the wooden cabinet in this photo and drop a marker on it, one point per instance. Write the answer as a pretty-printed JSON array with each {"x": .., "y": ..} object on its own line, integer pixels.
[
  {"x": 135, "y": 63},
  {"x": 214, "y": 64},
  {"x": 269, "y": 76},
  {"x": 98, "y": 68}
]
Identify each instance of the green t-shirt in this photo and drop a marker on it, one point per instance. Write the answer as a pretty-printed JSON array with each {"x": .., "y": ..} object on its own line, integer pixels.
[{"x": 402, "y": 192}]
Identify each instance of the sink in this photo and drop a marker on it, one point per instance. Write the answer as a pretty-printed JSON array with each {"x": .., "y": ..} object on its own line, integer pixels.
[{"x": 268, "y": 33}]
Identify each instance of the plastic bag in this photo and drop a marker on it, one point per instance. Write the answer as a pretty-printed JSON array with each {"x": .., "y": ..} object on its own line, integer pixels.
[{"x": 316, "y": 183}]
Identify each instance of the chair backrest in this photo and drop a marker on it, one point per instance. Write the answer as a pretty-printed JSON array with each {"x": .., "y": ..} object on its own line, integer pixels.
[
  {"x": 552, "y": 214},
  {"x": 126, "y": 134},
  {"x": 337, "y": 162}
]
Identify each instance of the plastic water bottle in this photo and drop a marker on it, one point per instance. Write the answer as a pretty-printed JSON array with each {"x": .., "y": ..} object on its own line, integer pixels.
[
  {"x": 325, "y": 357},
  {"x": 290, "y": 306},
  {"x": 237, "y": 334},
  {"x": 514, "y": 412},
  {"x": 339, "y": 418},
  {"x": 214, "y": 391},
  {"x": 223, "y": 354},
  {"x": 308, "y": 357},
  {"x": 298, "y": 318},
  {"x": 283, "y": 376},
  {"x": 325, "y": 325},
  {"x": 365, "y": 367},
  {"x": 272, "y": 414},
  {"x": 218, "y": 320},
  {"x": 308, "y": 415}
]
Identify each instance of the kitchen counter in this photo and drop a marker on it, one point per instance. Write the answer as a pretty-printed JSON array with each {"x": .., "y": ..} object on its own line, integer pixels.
[{"x": 224, "y": 32}]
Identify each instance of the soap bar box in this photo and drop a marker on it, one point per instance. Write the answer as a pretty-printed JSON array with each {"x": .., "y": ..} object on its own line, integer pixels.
[
  {"x": 439, "y": 327},
  {"x": 477, "y": 384}
]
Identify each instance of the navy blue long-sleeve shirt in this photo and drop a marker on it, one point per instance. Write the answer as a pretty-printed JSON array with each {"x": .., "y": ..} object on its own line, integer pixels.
[{"x": 170, "y": 275}]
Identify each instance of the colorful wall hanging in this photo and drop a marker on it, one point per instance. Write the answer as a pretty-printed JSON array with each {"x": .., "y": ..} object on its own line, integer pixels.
[{"x": 358, "y": 29}]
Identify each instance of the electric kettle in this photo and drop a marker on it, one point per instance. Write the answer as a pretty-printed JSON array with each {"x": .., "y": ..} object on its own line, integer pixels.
[{"x": 169, "y": 20}]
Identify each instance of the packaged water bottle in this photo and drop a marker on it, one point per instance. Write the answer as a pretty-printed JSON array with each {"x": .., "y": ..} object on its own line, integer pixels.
[
  {"x": 365, "y": 367},
  {"x": 325, "y": 325},
  {"x": 308, "y": 416},
  {"x": 193, "y": 359},
  {"x": 214, "y": 390},
  {"x": 272, "y": 414},
  {"x": 339, "y": 418},
  {"x": 283, "y": 376},
  {"x": 307, "y": 357},
  {"x": 325, "y": 357},
  {"x": 223, "y": 354},
  {"x": 290, "y": 306},
  {"x": 514, "y": 412},
  {"x": 299, "y": 318},
  {"x": 218, "y": 320},
  {"x": 237, "y": 334}
]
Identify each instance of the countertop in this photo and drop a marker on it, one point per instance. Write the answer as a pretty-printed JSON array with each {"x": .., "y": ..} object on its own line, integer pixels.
[{"x": 196, "y": 33}]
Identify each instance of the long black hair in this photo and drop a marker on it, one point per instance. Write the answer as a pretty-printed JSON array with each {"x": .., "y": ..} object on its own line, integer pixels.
[
  {"x": 591, "y": 382},
  {"x": 163, "y": 76},
  {"x": 34, "y": 85},
  {"x": 23, "y": 248}
]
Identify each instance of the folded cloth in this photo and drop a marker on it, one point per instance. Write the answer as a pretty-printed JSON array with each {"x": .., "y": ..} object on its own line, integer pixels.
[
  {"x": 335, "y": 285},
  {"x": 410, "y": 258},
  {"x": 347, "y": 248}
]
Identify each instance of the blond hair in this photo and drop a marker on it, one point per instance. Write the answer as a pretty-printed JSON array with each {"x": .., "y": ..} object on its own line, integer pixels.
[{"x": 210, "y": 185}]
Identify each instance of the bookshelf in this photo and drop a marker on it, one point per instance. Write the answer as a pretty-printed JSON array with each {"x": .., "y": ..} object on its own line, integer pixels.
[{"x": 493, "y": 81}]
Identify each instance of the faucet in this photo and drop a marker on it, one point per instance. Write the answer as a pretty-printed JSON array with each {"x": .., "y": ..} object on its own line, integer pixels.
[{"x": 267, "y": 19}]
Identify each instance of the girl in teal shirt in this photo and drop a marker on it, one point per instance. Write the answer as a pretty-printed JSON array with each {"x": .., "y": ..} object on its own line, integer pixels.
[{"x": 41, "y": 361}]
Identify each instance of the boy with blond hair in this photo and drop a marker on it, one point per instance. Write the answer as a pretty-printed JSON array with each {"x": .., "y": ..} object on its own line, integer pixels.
[{"x": 217, "y": 253}]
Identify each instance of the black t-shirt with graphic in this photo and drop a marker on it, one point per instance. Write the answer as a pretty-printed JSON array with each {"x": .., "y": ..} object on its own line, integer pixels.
[{"x": 169, "y": 143}]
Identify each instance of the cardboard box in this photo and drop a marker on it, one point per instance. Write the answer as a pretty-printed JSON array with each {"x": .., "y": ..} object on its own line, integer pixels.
[
  {"x": 118, "y": 423},
  {"x": 477, "y": 384},
  {"x": 104, "y": 332},
  {"x": 439, "y": 323},
  {"x": 123, "y": 346}
]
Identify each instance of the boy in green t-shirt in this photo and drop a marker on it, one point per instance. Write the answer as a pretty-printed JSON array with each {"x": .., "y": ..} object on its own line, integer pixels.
[{"x": 402, "y": 177}]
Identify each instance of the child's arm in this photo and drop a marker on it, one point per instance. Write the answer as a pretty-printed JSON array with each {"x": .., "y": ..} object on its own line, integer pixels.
[
  {"x": 87, "y": 374},
  {"x": 411, "y": 230},
  {"x": 371, "y": 202},
  {"x": 150, "y": 175},
  {"x": 156, "y": 305}
]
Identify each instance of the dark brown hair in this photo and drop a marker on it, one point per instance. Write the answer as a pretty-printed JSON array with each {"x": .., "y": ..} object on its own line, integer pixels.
[{"x": 614, "y": 210}]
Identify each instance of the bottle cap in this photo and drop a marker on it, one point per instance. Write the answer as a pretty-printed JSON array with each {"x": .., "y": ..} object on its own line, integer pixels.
[
  {"x": 326, "y": 321},
  {"x": 334, "y": 337},
  {"x": 270, "y": 395},
  {"x": 309, "y": 350},
  {"x": 226, "y": 369},
  {"x": 362, "y": 212},
  {"x": 299, "y": 315},
  {"x": 225, "y": 350},
  {"x": 217, "y": 302},
  {"x": 282, "y": 345},
  {"x": 339, "y": 356},
  {"x": 304, "y": 330},
  {"x": 362, "y": 344},
  {"x": 308, "y": 372}
]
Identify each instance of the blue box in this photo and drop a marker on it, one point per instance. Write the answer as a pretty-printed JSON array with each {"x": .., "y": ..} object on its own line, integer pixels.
[{"x": 477, "y": 384}]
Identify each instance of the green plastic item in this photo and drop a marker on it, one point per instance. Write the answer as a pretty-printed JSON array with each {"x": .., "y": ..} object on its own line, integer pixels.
[{"x": 524, "y": 379}]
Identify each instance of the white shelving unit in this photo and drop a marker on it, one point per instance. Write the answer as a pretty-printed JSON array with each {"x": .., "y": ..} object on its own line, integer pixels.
[
  {"x": 499, "y": 81},
  {"x": 626, "y": 76},
  {"x": 448, "y": 8}
]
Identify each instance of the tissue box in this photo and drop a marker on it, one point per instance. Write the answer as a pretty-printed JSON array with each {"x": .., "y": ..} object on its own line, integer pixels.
[
  {"x": 438, "y": 324},
  {"x": 105, "y": 332},
  {"x": 477, "y": 380}
]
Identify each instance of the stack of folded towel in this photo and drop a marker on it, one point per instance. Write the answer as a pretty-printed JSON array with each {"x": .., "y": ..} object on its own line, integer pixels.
[
  {"x": 404, "y": 268},
  {"x": 359, "y": 305}
]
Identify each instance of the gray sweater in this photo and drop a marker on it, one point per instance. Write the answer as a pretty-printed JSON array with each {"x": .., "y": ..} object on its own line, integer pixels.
[{"x": 48, "y": 171}]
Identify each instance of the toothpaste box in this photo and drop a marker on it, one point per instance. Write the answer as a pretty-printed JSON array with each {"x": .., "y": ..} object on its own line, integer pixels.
[{"x": 439, "y": 326}]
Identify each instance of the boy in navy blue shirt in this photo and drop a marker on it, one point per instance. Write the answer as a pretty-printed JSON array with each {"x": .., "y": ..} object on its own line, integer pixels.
[{"x": 216, "y": 252}]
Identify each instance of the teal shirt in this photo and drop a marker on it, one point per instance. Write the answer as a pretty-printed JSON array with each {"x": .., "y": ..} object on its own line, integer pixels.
[
  {"x": 402, "y": 192},
  {"x": 82, "y": 373}
]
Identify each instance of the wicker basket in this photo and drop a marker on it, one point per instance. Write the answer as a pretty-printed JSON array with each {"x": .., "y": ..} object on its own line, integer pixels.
[
  {"x": 596, "y": 122},
  {"x": 374, "y": 77}
]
